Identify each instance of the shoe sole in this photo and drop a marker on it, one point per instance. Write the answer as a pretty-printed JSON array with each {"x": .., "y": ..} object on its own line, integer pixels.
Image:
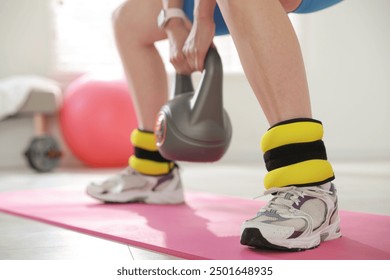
[{"x": 253, "y": 237}]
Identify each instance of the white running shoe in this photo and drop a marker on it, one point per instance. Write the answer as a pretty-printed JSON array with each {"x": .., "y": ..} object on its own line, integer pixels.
[
  {"x": 131, "y": 186},
  {"x": 297, "y": 218}
]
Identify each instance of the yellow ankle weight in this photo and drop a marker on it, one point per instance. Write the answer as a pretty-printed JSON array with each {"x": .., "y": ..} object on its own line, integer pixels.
[
  {"x": 295, "y": 154},
  {"x": 146, "y": 159}
]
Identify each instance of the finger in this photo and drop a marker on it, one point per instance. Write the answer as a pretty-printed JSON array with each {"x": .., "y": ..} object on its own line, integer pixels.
[
  {"x": 200, "y": 60},
  {"x": 180, "y": 64},
  {"x": 196, "y": 63},
  {"x": 188, "y": 56},
  {"x": 182, "y": 69},
  {"x": 191, "y": 58},
  {"x": 185, "y": 69}
]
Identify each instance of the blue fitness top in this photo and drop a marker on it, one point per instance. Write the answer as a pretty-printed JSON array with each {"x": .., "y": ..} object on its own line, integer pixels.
[{"x": 307, "y": 6}]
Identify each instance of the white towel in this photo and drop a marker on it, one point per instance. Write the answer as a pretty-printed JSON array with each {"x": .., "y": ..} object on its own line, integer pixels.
[{"x": 15, "y": 90}]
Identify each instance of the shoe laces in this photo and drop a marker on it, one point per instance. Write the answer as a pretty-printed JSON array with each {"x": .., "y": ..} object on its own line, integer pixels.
[
  {"x": 126, "y": 172},
  {"x": 281, "y": 202},
  {"x": 119, "y": 177}
]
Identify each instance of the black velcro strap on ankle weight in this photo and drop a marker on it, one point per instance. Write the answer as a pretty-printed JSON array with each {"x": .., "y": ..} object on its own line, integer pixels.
[
  {"x": 150, "y": 155},
  {"x": 294, "y": 153}
]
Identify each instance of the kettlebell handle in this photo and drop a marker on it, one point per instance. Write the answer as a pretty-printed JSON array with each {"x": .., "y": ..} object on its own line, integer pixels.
[
  {"x": 207, "y": 103},
  {"x": 183, "y": 83}
]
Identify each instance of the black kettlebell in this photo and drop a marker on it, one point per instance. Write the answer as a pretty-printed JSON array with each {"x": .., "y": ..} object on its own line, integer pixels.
[{"x": 193, "y": 126}]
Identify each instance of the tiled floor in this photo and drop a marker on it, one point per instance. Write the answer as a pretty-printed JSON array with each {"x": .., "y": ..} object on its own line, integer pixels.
[{"x": 363, "y": 187}]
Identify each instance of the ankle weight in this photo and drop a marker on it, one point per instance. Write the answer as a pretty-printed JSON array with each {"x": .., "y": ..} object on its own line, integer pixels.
[
  {"x": 295, "y": 154},
  {"x": 147, "y": 159}
]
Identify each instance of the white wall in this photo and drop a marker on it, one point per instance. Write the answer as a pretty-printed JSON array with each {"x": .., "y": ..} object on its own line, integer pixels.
[
  {"x": 26, "y": 37},
  {"x": 347, "y": 54}
]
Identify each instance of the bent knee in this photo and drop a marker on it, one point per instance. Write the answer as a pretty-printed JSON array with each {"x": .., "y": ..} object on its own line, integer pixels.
[
  {"x": 122, "y": 19},
  {"x": 290, "y": 5},
  {"x": 134, "y": 22}
]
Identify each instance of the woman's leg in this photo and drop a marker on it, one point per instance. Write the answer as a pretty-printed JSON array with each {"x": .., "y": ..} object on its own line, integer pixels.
[
  {"x": 151, "y": 178},
  {"x": 271, "y": 57},
  {"x": 136, "y": 31},
  {"x": 303, "y": 211}
]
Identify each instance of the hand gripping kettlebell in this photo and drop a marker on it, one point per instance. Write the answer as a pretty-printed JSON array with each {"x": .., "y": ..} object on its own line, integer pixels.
[{"x": 193, "y": 126}]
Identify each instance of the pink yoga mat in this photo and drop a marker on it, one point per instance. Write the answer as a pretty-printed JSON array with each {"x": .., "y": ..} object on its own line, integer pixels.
[{"x": 206, "y": 227}]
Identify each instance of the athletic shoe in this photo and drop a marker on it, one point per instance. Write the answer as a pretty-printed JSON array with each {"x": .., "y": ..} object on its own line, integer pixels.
[
  {"x": 131, "y": 186},
  {"x": 297, "y": 218}
]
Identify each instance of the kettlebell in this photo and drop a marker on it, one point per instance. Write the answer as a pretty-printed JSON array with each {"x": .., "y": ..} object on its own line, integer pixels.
[{"x": 193, "y": 125}]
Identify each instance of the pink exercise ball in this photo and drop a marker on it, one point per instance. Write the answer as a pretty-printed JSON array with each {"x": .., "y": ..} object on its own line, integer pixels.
[{"x": 97, "y": 117}]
